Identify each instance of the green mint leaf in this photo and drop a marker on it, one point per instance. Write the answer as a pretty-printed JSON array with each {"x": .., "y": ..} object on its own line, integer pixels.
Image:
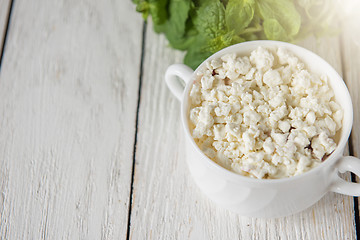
[
  {"x": 222, "y": 41},
  {"x": 274, "y": 31},
  {"x": 283, "y": 11},
  {"x": 194, "y": 57},
  {"x": 177, "y": 28},
  {"x": 239, "y": 14},
  {"x": 197, "y": 52},
  {"x": 158, "y": 11},
  {"x": 202, "y": 27},
  {"x": 179, "y": 13},
  {"x": 210, "y": 18},
  {"x": 143, "y": 7}
]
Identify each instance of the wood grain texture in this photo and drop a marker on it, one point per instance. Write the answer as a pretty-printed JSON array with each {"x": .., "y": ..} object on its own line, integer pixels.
[
  {"x": 68, "y": 88},
  {"x": 4, "y": 14},
  {"x": 167, "y": 204}
]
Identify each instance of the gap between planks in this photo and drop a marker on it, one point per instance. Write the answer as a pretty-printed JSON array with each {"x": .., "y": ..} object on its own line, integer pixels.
[
  {"x": 141, "y": 70},
  {"x": 5, "y": 30}
]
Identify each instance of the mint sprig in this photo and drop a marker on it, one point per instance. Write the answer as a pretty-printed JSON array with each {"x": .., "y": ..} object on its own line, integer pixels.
[{"x": 203, "y": 27}]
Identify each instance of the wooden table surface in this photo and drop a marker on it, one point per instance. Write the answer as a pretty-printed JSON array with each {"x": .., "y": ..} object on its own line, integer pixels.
[{"x": 91, "y": 145}]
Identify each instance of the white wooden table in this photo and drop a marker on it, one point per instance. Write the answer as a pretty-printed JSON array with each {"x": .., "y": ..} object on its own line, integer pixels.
[{"x": 91, "y": 145}]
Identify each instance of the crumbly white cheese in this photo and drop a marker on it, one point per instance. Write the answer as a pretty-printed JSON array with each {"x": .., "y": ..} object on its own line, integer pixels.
[{"x": 263, "y": 115}]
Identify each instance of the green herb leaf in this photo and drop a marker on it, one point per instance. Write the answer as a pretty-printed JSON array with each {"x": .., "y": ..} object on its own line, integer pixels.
[
  {"x": 210, "y": 19},
  {"x": 239, "y": 14},
  {"x": 223, "y": 41},
  {"x": 197, "y": 53},
  {"x": 179, "y": 13},
  {"x": 175, "y": 29},
  {"x": 283, "y": 11},
  {"x": 274, "y": 31},
  {"x": 157, "y": 9},
  {"x": 202, "y": 27}
]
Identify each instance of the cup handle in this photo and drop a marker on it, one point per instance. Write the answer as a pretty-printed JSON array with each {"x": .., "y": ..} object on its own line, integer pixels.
[
  {"x": 351, "y": 164},
  {"x": 173, "y": 83}
]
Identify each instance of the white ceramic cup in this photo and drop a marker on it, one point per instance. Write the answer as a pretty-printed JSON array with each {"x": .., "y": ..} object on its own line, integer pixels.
[{"x": 268, "y": 197}]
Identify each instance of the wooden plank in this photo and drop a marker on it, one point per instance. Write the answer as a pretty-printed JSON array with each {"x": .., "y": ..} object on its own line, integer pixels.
[
  {"x": 351, "y": 60},
  {"x": 167, "y": 204},
  {"x": 4, "y": 14},
  {"x": 68, "y": 88}
]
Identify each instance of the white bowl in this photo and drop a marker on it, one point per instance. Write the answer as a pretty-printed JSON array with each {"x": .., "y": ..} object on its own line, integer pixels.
[{"x": 268, "y": 197}]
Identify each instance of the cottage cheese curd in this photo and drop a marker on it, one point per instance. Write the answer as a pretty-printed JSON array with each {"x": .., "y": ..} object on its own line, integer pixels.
[{"x": 263, "y": 115}]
